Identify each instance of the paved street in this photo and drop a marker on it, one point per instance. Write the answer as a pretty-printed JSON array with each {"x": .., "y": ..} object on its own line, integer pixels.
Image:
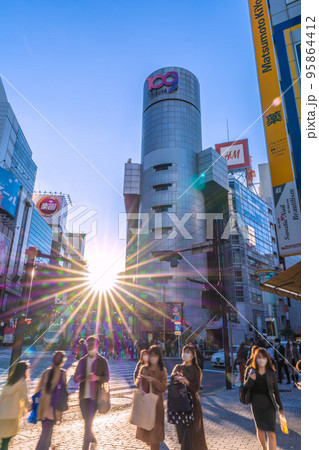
[{"x": 228, "y": 424}]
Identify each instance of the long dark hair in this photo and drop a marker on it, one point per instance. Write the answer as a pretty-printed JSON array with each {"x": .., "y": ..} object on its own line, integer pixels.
[
  {"x": 19, "y": 372},
  {"x": 193, "y": 350},
  {"x": 143, "y": 352},
  {"x": 262, "y": 352},
  {"x": 158, "y": 352},
  {"x": 57, "y": 361}
]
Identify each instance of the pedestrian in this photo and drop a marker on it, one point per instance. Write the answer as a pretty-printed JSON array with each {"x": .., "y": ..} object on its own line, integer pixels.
[
  {"x": 154, "y": 374},
  {"x": 261, "y": 381},
  {"x": 91, "y": 372},
  {"x": 81, "y": 349},
  {"x": 191, "y": 436},
  {"x": 14, "y": 400},
  {"x": 144, "y": 359},
  {"x": 292, "y": 356},
  {"x": 47, "y": 413},
  {"x": 279, "y": 356},
  {"x": 242, "y": 355}
]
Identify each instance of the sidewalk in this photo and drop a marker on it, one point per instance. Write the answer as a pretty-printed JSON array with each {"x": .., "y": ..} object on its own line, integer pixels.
[{"x": 228, "y": 425}]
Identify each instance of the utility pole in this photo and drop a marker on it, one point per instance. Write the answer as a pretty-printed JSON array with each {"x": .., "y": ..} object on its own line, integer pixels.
[
  {"x": 224, "y": 310},
  {"x": 21, "y": 324}
]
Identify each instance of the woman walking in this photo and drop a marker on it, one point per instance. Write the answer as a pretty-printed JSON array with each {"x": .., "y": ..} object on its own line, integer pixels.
[
  {"x": 47, "y": 413},
  {"x": 191, "y": 437},
  {"x": 261, "y": 380},
  {"x": 154, "y": 374},
  {"x": 292, "y": 356},
  {"x": 14, "y": 400},
  {"x": 144, "y": 359}
]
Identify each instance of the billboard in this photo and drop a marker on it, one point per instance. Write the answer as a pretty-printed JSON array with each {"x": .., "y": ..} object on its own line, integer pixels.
[
  {"x": 287, "y": 208},
  {"x": 53, "y": 208},
  {"x": 236, "y": 154},
  {"x": 4, "y": 252},
  {"x": 9, "y": 192}
]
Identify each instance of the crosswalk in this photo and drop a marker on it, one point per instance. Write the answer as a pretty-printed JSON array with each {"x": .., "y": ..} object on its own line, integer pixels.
[{"x": 121, "y": 378}]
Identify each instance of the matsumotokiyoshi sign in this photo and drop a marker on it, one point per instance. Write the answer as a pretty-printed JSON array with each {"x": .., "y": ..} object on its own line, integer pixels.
[
  {"x": 236, "y": 153},
  {"x": 48, "y": 205},
  {"x": 285, "y": 192},
  {"x": 170, "y": 79}
]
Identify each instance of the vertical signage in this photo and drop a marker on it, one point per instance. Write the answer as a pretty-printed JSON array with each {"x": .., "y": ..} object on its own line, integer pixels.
[{"x": 286, "y": 199}]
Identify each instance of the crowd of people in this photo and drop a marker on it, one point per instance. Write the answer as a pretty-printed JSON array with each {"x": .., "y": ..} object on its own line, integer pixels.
[{"x": 259, "y": 371}]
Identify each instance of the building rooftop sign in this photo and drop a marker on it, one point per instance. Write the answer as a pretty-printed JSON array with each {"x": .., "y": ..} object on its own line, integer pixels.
[
  {"x": 169, "y": 79},
  {"x": 236, "y": 154}
]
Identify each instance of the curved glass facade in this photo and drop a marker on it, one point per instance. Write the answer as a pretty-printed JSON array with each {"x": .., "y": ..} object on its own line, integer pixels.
[{"x": 171, "y": 140}]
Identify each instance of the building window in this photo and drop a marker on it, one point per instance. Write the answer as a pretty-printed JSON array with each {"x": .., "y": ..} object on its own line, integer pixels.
[
  {"x": 273, "y": 239},
  {"x": 162, "y": 187},
  {"x": 289, "y": 302},
  {"x": 239, "y": 295},
  {"x": 162, "y": 167},
  {"x": 238, "y": 276},
  {"x": 162, "y": 230},
  {"x": 275, "y": 254},
  {"x": 269, "y": 211},
  {"x": 161, "y": 208},
  {"x": 271, "y": 225}
]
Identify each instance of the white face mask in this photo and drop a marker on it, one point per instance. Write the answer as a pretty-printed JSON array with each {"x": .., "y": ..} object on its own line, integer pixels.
[
  {"x": 92, "y": 353},
  {"x": 187, "y": 356},
  {"x": 154, "y": 360},
  {"x": 145, "y": 358},
  {"x": 261, "y": 362}
]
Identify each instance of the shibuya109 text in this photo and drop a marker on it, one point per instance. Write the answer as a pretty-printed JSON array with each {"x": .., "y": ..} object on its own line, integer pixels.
[{"x": 168, "y": 225}]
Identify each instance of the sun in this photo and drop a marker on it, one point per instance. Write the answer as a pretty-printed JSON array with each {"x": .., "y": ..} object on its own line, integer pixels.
[{"x": 102, "y": 272}]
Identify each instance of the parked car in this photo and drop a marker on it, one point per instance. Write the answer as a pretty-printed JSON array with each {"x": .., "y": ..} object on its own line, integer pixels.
[{"x": 218, "y": 359}]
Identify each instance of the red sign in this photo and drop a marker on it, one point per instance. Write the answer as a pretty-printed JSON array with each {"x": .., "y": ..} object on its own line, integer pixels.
[
  {"x": 48, "y": 205},
  {"x": 236, "y": 153}
]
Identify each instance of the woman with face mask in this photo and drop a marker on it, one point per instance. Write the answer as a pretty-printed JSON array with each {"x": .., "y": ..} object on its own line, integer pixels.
[
  {"x": 191, "y": 436},
  {"x": 143, "y": 361},
  {"x": 154, "y": 374},
  {"x": 261, "y": 381}
]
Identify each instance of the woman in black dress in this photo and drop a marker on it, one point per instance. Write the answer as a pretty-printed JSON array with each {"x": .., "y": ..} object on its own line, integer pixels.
[
  {"x": 261, "y": 381},
  {"x": 191, "y": 437}
]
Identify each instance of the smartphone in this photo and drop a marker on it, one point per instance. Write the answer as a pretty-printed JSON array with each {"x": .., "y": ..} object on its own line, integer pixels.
[{"x": 252, "y": 371}]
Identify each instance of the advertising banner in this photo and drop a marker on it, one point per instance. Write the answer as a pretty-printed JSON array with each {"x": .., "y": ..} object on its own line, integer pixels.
[
  {"x": 53, "y": 208},
  {"x": 4, "y": 252},
  {"x": 9, "y": 192},
  {"x": 236, "y": 153},
  {"x": 287, "y": 208}
]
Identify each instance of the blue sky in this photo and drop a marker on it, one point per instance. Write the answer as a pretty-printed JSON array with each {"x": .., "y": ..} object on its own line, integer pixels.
[{"x": 82, "y": 64}]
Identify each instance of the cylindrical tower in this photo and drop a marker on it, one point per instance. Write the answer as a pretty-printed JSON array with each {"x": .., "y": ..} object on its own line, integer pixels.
[{"x": 171, "y": 139}]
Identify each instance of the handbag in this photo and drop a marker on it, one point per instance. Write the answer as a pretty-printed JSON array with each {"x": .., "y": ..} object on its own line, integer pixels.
[
  {"x": 178, "y": 399},
  {"x": 184, "y": 417},
  {"x": 244, "y": 396},
  {"x": 60, "y": 395},
  {"x": 143, "y": 413},
  {"x": 104, "y": 399},
  {"x": 35, "y": 405}
]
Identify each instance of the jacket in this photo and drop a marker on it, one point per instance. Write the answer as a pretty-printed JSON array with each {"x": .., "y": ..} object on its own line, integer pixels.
[
  {"x": 272, "y": 385},
  {"x": 292, "y": 355},
  {"x": 100, "y": 368},
  {"x": 14, "y": 400},
  {"x": 281, "y": 355},
  {"x": 45, "y": 411}
]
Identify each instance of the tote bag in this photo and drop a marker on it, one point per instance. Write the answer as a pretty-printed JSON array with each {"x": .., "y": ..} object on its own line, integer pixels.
[
  {"x": 143, "y": 413},
  {"x": 104, "y": 399}
]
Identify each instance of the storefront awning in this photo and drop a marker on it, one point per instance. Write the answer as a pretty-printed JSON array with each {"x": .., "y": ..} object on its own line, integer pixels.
[{"x": 287, "y": 283}]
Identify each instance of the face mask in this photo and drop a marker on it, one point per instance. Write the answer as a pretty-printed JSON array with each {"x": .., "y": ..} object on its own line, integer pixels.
[
  {"x": 187, "y": 357},
  {"x": 154, "y": 360},
  {"x": 92, "y": 353},
  {"x": 145, "y": 358},
  {"x": 261, "y": 362}
]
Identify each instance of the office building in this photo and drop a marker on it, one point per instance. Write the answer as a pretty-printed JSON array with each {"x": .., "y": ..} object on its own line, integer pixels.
[
  {"x": 166, "y": 188},
  {"x": 17, "y": 176}
]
